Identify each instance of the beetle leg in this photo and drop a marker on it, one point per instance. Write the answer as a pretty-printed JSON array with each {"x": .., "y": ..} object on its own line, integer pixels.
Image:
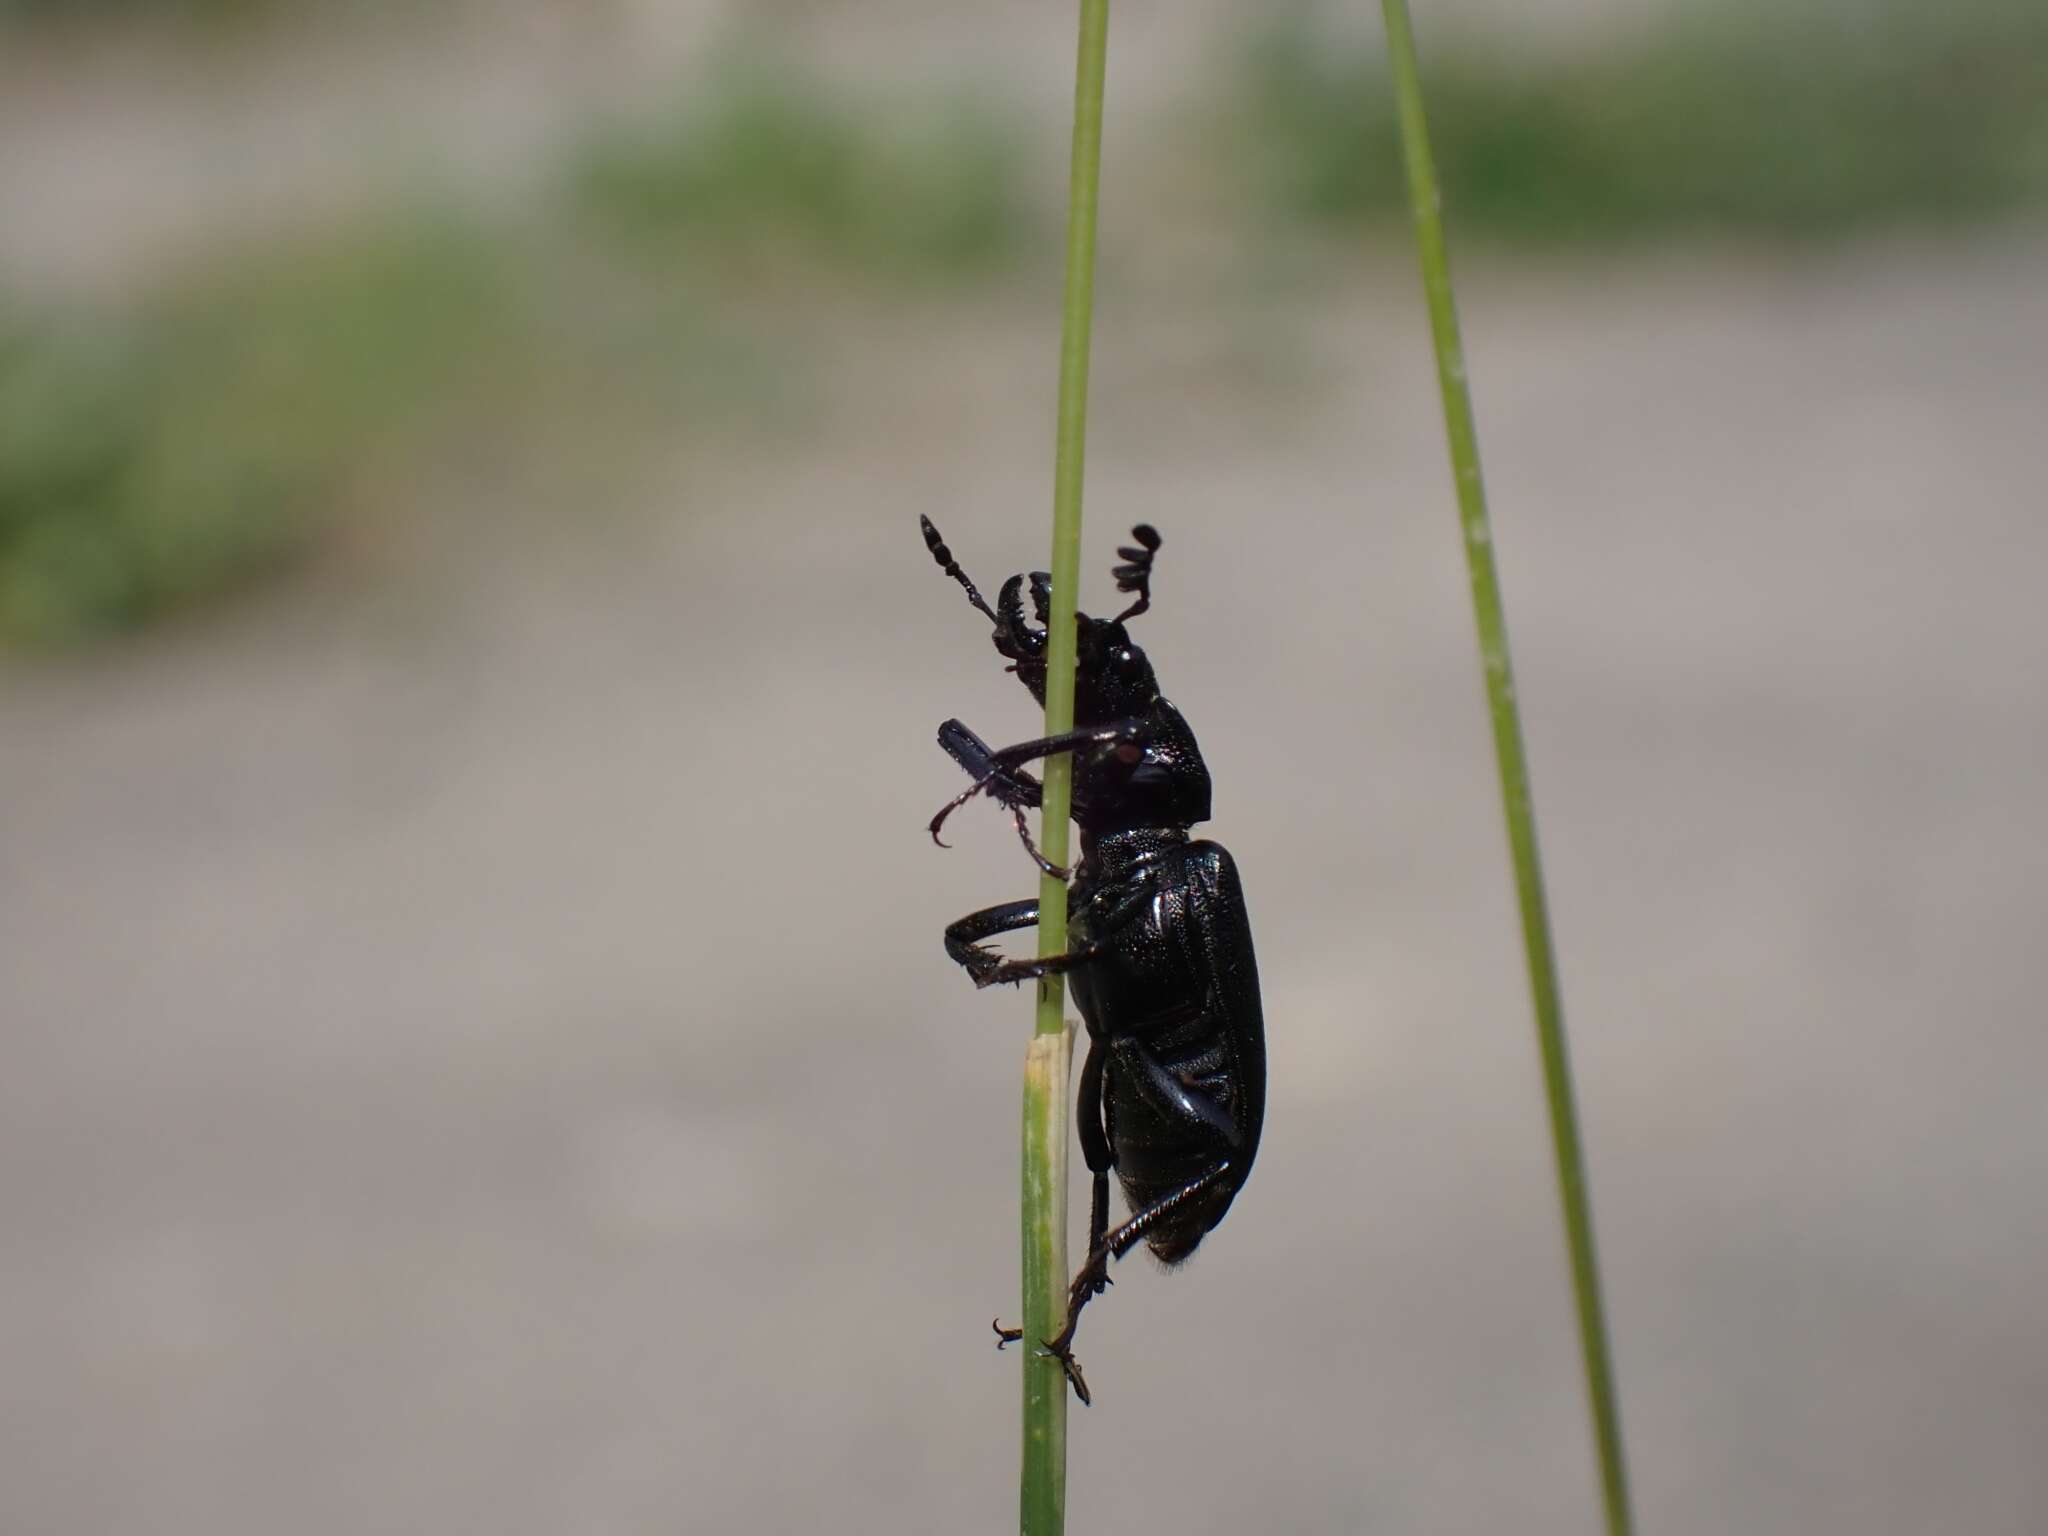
[
  {"x": 1094, "y": 1274},
  {"x": 1098, "y": 1224},
  {"x": 1023, "y": 752},
  {"x": 1011, "y": 786},
  {"x": 1127, "y": 1236},
  {"x": 1172, "y": 1098},
  {"x": 997, "y": 772},
  {"x": 989, "y": 968},
  {"x": 954, "y": 804},
  {"x": 1008, "y": 786},
  {"x": 1045, "y": 865},
  {"x": 1013, "y": 972},
  {"x": 1197, "y": 1111},
  {"x": 962, "y": 935},
  {"x": 1002, "y": 777},
  {"x": 1089, "y": 1123},
  {"x": 1095, "y": 1150}
]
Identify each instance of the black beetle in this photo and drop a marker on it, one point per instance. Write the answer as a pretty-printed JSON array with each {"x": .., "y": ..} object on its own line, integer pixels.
[{"x": 1159, "y": 949}]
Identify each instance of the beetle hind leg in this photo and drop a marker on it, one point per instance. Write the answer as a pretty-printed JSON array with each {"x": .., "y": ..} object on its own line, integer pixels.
[
  {"x": 1091, "y": 1123},
  {"x": 1094, "y": 1274}
]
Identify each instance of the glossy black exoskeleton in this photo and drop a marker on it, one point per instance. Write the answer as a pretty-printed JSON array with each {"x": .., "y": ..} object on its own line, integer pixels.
[{"x": 1159, "y": 950}]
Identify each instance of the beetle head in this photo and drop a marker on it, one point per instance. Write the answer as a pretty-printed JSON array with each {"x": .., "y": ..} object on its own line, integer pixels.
[{"x": 1113, "y": 679}]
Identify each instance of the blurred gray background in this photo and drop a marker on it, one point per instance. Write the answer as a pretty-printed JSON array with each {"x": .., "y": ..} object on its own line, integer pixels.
[{"x": 478, "y": 1051}]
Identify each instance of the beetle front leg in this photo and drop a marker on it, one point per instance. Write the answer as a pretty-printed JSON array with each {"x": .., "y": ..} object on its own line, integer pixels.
[
  {"x": 1000, "y": 773},
  {"x": 1010, "y": 787},
  {"x": 1023, "y": 752}
]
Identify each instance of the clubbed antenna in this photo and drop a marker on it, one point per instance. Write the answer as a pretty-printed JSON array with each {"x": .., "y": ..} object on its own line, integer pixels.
[
  {"x": 1136, "y": 574},
  {"x": 951, "y": 567}
]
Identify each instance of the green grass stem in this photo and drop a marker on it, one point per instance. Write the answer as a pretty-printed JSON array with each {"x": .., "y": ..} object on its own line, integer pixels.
[
  {"x": 1427, "y": 205},
  {"x": 1043, "y": 1490}
]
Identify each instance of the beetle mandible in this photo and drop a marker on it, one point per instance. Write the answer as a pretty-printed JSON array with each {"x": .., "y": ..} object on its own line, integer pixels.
[{"x": 1159, "y": 949}]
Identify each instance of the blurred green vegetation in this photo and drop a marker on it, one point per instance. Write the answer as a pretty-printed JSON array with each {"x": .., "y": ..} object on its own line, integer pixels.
[
  {"x": 201, "y": 16},
  {"x": 167, "y": 448},
  {"x": 170, "y": 448},
  {"x": 159, "y": 453},
  {"x": 1818, "y": 120},
  {"x": 771, "y": 171},
  {"x": 210, "y": 15}
]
